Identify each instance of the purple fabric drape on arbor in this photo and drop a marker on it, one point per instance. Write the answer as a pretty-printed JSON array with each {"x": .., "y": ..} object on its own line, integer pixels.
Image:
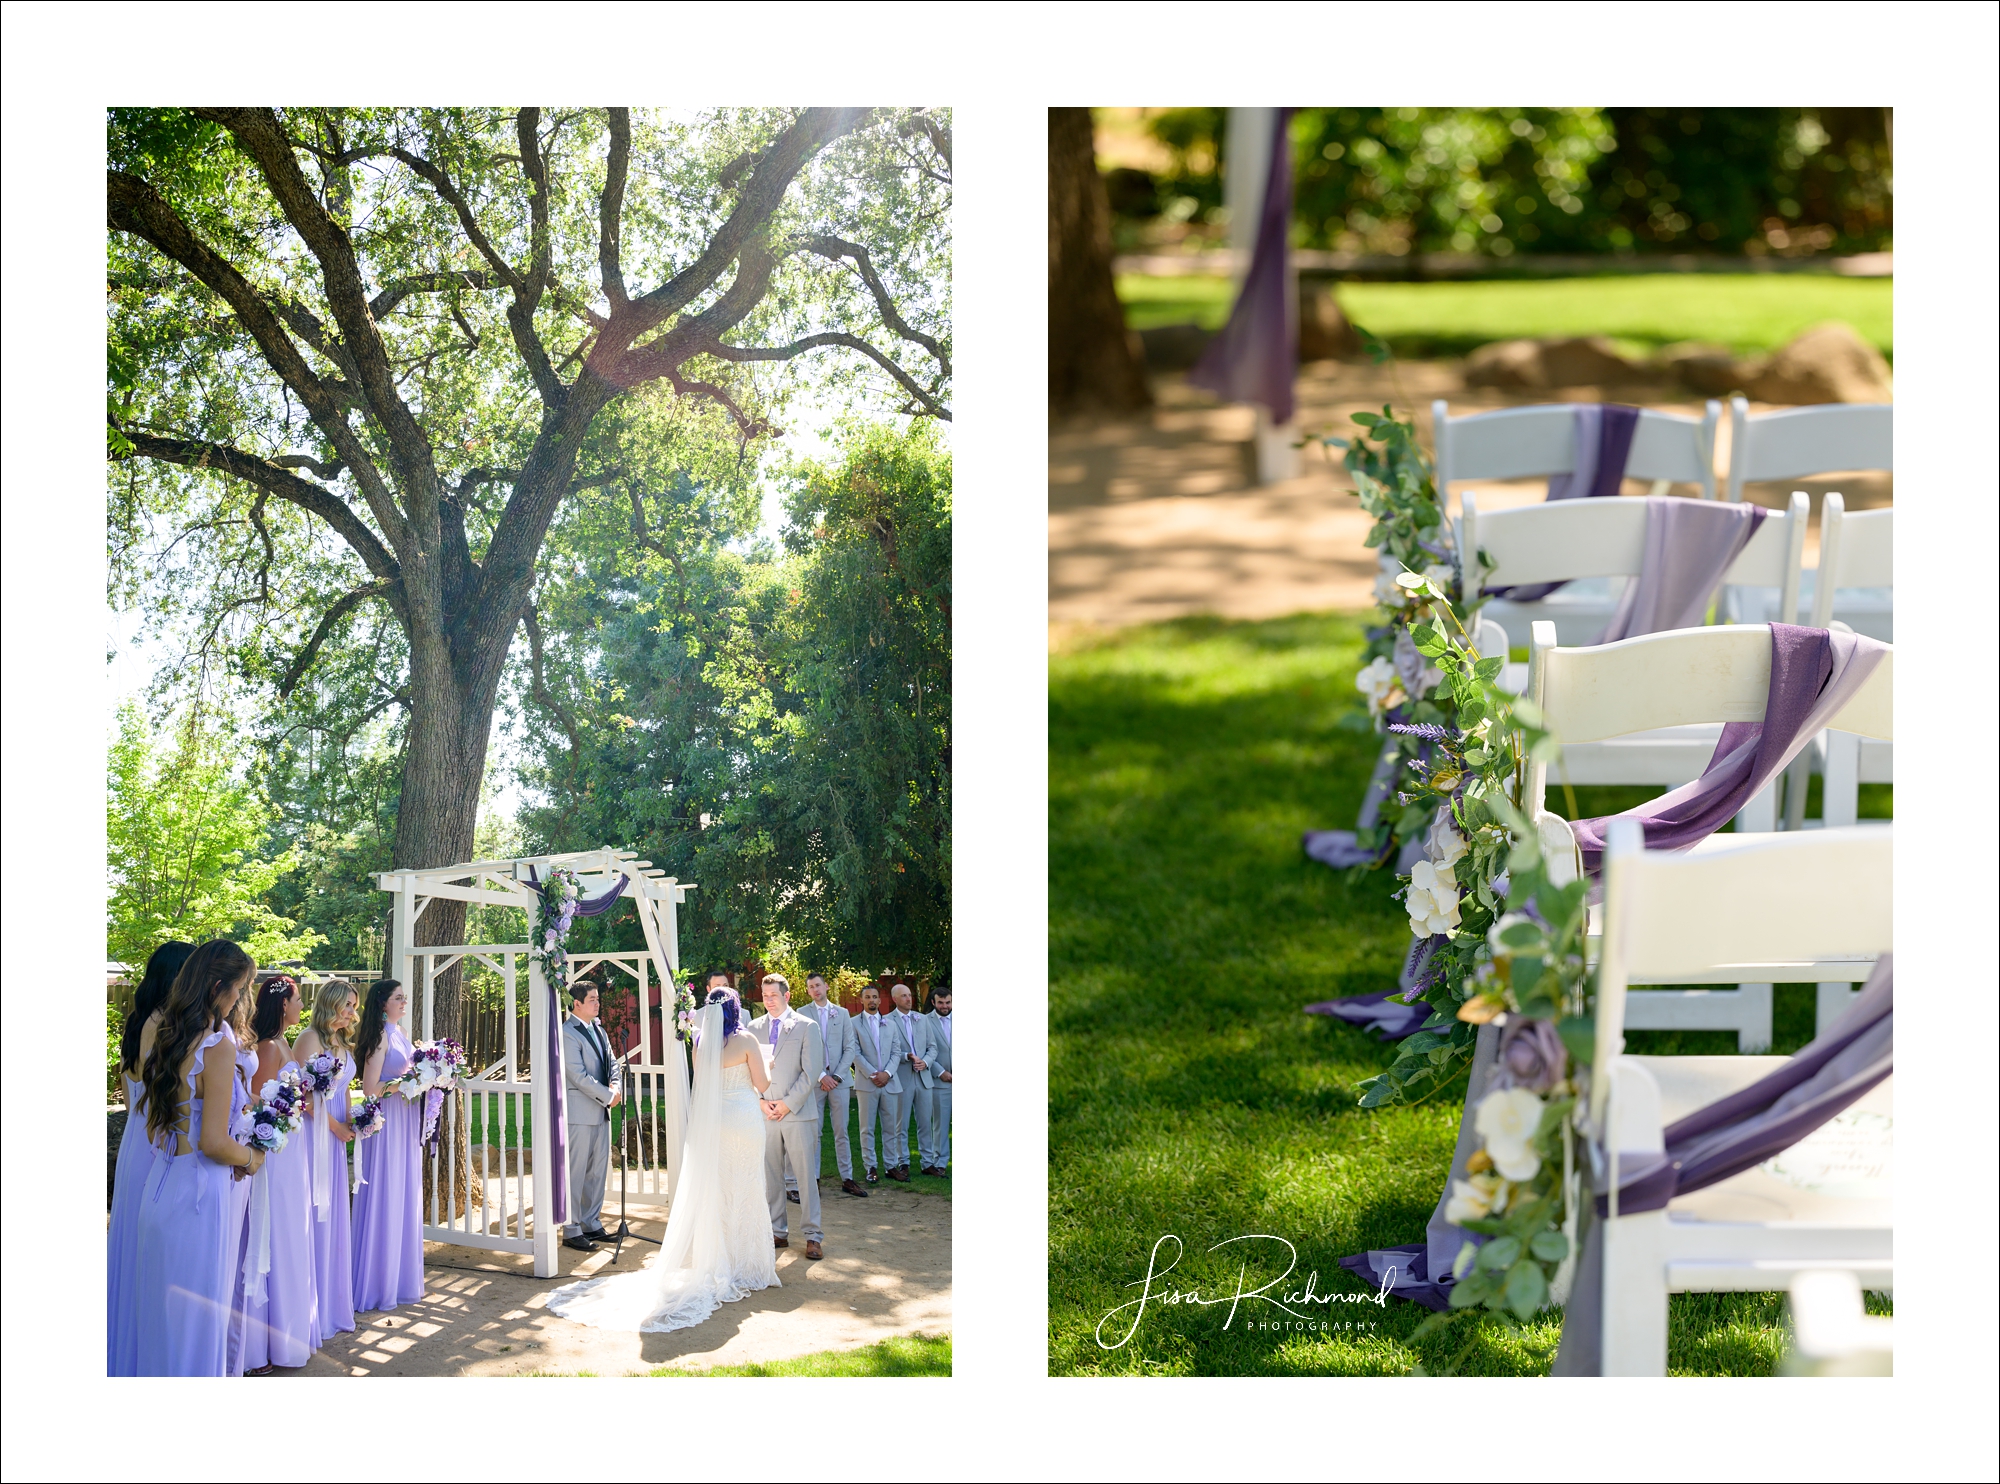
[
  {"x": 1814, "y": 673},
  {"x": 1690, "y": 545},
  {"x": 1256, "y": 356},
  {"x": 1731, "y": 1135},
  {"x": 553, "y": 1088},
  {"x": 1603, "y": 442}
]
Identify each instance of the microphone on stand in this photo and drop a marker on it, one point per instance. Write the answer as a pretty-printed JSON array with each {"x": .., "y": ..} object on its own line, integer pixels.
[{"x": 624, "y": 1230}]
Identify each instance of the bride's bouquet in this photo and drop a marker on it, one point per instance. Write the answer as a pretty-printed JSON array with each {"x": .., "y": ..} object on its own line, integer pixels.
[
  {"x": 435, "y": 1067},
  {"x": 280, "y": 1111}
]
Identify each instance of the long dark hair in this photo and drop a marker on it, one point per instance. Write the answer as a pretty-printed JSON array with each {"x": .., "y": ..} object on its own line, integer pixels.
[
  {"x": 152, "y": 993},
  {"x": 189, "y": 1014},
  {"x": 374, "y": 1020},
  {"x": 732, "y": 1014},
  {"x": 268, "y": 1018}
]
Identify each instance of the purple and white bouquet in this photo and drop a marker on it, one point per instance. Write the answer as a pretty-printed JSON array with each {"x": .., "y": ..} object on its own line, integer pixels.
[
  {"x": 279, "y": 1113},
  {"x": 366, "y": 1117},
  {"x": 435, "y": 1067},
  {"x": 318, "y": 1073}
]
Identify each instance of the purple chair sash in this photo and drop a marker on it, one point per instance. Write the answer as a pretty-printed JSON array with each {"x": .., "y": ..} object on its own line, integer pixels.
[
  {"x": 1603, "y": 442},
  {"x": 1690, "y": 545},
  {"x": 1256, "y": 357},
  {"x": 1814, "y": 673}
]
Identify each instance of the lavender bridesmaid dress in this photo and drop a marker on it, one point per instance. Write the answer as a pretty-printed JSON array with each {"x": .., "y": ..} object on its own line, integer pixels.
[
  {"x": 246, "y": 1083},
  {"x": 185, "y": 1249},
  {"x": 135, "y": 1158},
  {"x": 332, "y": 1237},
  {"x": 388, "y": 1208},
  {"x": 281, "y": 1325}
]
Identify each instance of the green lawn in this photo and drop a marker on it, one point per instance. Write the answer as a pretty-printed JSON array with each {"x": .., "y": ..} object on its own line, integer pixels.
[
  {"x": 1187, "y": 1093},
  {"x": 1750, "y": 313},
  {"x": 899, "y": 1355}
]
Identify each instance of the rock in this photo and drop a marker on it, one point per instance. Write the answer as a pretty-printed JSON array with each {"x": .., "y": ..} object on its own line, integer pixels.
[
  {"x": 1828, "y": 363},
  {"x": 1173, "y": 347},
  {"x": 1541, "y": 365},
  {"x": 1708, "y": 369},
  {"x": 1324, "y": 333}
]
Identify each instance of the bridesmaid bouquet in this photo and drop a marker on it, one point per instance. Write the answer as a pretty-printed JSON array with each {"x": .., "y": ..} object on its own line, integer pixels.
[
  {"x": 280, "y": 1111},
  {"x": 434, "y": 1070},
  {"x": 366, "y": 1117},
  {"x": 318, "y": 1073}
]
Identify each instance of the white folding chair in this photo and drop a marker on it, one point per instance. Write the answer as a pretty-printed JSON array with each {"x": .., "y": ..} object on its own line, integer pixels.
[
  {"x": 1760, "y": 903},
  {"x": 1530, "y": 442},
  {"x": 1795, "y": 444},
  {"x": 1634, "y": 689},
  {"x": 1581, "y": 538}
]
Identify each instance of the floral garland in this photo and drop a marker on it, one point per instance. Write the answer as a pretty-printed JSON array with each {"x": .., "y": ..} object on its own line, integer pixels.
[
  {"x": 684, "y": 1013},
  {"x": 556, "y": 902}
]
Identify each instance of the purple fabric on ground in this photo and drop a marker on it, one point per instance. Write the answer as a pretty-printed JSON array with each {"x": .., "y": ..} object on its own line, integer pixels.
[
  {"x": 1256, "y": 356},
  {"x": 1690, "y": 544},
  {"x": 1729, "y": 1136},
  {"x": 1603, "y": 444},
  {"x": 1814, "y": 673},
  {"x": 1390, "y": 1019}
]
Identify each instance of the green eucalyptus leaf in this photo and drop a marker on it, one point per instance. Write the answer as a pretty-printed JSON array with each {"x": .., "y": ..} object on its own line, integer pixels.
[
  {"x": 1550, "y": 1246},
  {"x": 1499, "y": 1254},
  {"x": 1527, "y": 1289},
  {"x": 1579, "y": 1037}
]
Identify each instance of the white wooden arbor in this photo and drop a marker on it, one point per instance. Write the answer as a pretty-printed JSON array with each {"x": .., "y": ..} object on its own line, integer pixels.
[{"x": 505, "y": 1212}]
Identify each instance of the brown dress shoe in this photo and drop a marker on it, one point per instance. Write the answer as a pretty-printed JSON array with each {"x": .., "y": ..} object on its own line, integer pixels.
[
  {"x": 873, "y": 1177},
  {"x": 852, "y": 1188},
  {"x": 935, "y": 1173},
  {"x": 813, "y": 1252},
  {"x": 779, "y": 1244},
  {"x": 902, "y": 1173}
]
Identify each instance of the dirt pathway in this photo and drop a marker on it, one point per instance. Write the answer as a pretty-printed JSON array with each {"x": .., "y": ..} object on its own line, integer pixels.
[
  {"x": 1156, "y": 517},
  {"x": 887, "y": 1272}
]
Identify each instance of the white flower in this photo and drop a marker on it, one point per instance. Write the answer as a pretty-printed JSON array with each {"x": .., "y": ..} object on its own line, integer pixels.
[
  {"x": 1440, "y": 576},
  {"x": 1444, "y": 845},
  {"x": 1388, "y": 594},
  {"x": 1378, "y": 682},
  {"x": 1507, "y": 1121},
  {"x": 1475, "y": 1199},
  {"x": 1432, "y": 900},
  {"x": 268, "y": 1091}
]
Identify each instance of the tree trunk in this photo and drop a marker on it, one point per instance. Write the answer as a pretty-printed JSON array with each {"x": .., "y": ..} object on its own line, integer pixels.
[{"x": 1093, "y": 362}]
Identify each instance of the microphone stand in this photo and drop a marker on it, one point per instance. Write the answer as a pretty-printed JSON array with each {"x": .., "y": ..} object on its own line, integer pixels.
[{"x": 624, "y": 1230}]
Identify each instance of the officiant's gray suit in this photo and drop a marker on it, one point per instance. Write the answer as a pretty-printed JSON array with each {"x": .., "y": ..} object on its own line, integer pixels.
[
  {"x": 792, "y": 1142},
  {"x": 587, "y": 1102},
  {"x": 874, "y": 1051}
]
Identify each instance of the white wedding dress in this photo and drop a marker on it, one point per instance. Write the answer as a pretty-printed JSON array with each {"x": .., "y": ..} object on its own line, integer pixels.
[{"x": 718, "y": 1245}]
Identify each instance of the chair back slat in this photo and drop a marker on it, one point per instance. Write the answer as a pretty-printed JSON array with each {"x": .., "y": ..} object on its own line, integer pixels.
[
  {"x": 1802, "y": 441},
  {"x": 1555, "y": 543},
  {"x": 1523, "y": 442}
]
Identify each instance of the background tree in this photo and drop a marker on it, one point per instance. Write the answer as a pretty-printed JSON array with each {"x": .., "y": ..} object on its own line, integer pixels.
[
  {"x": 1092, "y": 363},
  {"x": 364, "y": 357}
]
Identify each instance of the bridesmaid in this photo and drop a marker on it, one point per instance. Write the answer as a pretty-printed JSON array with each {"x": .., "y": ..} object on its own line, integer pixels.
[
  {"x": 246, "y": 1086},
  {"x": 388, "y": 1208},
  {"x": 280, "y": 1315},
  {"x": 184, "y": 1262},
  {"x": 135, "y": 1155},
  {"x": 336, "y": 1008}
]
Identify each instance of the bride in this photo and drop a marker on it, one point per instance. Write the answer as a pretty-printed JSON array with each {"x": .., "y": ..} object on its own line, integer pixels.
[{"x": 718, "y": 1245}]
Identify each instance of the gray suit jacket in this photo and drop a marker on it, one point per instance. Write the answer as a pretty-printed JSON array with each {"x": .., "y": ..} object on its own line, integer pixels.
[
  {"x": 875, "y": 1051},
  {"x": 795, "y": 1065},
  {"x": 839, "y": 1042},
  {"x": 913, "y": 1040},
  {"x": 940, "y": 1060},
  {"x": 587, "y": 1099}
]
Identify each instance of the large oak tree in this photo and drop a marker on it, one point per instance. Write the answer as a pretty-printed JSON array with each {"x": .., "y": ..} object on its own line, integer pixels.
[{"x": 363, "y": 357}]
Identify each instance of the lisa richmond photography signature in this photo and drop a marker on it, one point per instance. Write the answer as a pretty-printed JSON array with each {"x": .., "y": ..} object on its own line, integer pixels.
[{"x": 1296, "y": 1302}]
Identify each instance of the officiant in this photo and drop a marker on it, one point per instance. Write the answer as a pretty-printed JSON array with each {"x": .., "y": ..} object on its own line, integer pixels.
[{"x": 590, "y": 1097}]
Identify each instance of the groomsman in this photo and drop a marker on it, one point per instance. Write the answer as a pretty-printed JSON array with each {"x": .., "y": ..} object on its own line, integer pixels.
[
  {"x": 909, "y": 1036},
  {"x": 792, "y": 1053},
  {"x": 836, "y": 1082},
  {"x": 588, "y": 1100},
  {"x": 876, "y": 1081},
  {"x": 940, "y": 1018}
]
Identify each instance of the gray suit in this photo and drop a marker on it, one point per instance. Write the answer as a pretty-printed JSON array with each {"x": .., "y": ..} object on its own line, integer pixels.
[
  {"x": 587, "y": 1101},
  {"x": 837, "y": 1037},
  {"x": 907, "y": 1037},
  {"x": 792, "y": 1142},
  {"x": 875, "y": 1051},
  {"x": 941, "y": 1030}
]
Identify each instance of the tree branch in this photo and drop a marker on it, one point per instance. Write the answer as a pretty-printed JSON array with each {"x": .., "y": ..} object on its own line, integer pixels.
[
  {"x": 268, "y": 476},
  {"x": 539, "y": 689},
  {"x": 611, "y": 207},
  {"x": 835, "y": 248},
  {"x": 342, "y": 606},
  {"x": 926, "y": 402},
  {"x": 135, "y": 207},
  {"x": 384, "y": 303}
]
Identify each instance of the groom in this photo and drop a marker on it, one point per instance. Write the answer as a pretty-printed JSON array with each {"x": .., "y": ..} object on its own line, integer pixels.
[{"x": 794, "y": 1056}]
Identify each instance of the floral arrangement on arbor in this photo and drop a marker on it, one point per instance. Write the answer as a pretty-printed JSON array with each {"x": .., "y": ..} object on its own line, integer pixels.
[
  {"x": 684, "y": 1012},
  {"x": 557, "y": 900}
]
